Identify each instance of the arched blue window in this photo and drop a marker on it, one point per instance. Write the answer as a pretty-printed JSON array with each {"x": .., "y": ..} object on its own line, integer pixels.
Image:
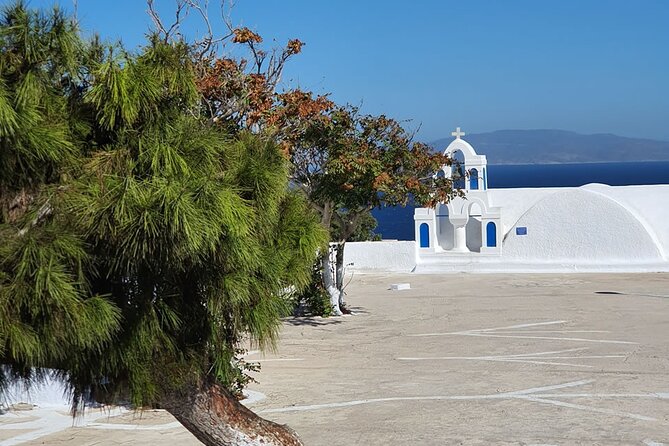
[
  {"x": 424, "y": 235},
  {"x": 473, "y": 179},
  {"x": 491, "y": 234}
]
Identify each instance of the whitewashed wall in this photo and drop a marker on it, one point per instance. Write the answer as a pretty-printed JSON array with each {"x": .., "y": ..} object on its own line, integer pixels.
[
  {"x": 578, "y": 225},
  {"x": 387, "y": 255},
  {"x": 52, "y": 392},
  {"x": 649, "y": 204},
  {"x": 592, "y": 228}
]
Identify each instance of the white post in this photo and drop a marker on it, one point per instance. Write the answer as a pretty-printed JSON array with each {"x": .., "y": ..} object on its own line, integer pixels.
[{"x": 460, "y": 239}]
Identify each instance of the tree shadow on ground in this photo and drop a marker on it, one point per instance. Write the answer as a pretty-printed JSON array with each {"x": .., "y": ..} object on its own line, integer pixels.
[
  {"x": 357, "y": 310},
  {"x": 313, "y": 321}
]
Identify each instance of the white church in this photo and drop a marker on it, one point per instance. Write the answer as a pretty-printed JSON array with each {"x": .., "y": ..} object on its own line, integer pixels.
[
  {"x": 463, "y": 225},
  {"x": 595, "y": 227}
]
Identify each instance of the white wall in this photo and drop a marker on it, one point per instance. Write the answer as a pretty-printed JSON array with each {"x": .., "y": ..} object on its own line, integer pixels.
[
  {"x": 51, "y": 392},
  {"x": 515, "y": 202},
  {"x": 387, "y": 255},
  {"x": 577, "y": 225},
  {"x": 650, "y": 205}
]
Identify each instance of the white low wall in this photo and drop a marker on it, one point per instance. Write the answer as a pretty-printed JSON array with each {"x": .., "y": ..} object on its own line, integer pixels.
[
  {"x": 51, "y": 392},
  {"x": 386, "y": 255}
]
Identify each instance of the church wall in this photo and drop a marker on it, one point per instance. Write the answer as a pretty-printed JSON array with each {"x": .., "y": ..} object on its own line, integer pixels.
[
  {"x": 650, "y": 204},
  {"x": 515, "y": 202},
  {"x": 576, "y": 225}
]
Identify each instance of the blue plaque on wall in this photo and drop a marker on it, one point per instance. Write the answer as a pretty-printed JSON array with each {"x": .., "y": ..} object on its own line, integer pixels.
[{"x": 521, "y": 230}]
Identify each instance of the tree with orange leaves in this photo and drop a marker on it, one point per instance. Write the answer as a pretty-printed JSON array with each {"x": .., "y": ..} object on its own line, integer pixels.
[{"x": 347, "y": 163}]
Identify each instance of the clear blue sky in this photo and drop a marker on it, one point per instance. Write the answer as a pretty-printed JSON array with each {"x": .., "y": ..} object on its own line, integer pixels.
[{"x": 591, "y": 66}]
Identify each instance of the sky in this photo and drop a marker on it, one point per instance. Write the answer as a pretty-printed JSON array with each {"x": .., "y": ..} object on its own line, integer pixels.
[{"x": 590, "y": 66}]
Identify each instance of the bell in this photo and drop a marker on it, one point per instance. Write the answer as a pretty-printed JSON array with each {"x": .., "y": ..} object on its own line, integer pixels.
[{"x": 457, "y": 172}]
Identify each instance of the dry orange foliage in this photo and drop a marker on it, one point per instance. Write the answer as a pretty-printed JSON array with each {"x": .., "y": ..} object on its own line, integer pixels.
[
  {"x": 295, "y": 46},
  {"x": 245, "y": 35}
]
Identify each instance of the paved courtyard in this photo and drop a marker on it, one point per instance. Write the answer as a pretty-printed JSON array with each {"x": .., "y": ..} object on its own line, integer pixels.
[{"x": 457, "y": 359}]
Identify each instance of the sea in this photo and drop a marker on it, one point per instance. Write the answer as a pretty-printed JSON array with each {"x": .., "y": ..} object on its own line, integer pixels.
[{"x": 397, "y": 222}]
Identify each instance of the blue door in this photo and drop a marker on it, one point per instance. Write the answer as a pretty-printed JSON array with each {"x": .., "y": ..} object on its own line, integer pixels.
[
  {"x": 424, "y": 236},
  {"x": 491, "y": 235}
]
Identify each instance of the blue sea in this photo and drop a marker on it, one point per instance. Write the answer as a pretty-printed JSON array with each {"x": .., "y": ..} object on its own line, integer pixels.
[{"x": 397, "y": 223}]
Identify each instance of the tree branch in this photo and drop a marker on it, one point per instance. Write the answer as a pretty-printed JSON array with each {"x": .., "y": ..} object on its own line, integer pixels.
[{"x": 43, "y": 212}]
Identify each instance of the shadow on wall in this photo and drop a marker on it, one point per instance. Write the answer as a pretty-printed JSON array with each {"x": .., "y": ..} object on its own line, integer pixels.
[
  {"x": 444, "y": 227},
  {"x": 474, "y": 239},
  {"x": 474, "y": 235}
]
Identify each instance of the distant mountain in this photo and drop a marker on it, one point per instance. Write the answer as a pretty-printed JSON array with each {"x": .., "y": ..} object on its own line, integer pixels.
[{"x": 560, "y": 146}]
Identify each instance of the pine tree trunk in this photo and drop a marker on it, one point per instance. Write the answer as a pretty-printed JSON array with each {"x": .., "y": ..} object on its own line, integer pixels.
[{"x": 216, "y": 418}]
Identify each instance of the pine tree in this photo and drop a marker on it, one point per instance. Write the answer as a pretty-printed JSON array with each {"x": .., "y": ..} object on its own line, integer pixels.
[
  {"x": 148, "y": 244},
  {"x": 42, "y": 285}
]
